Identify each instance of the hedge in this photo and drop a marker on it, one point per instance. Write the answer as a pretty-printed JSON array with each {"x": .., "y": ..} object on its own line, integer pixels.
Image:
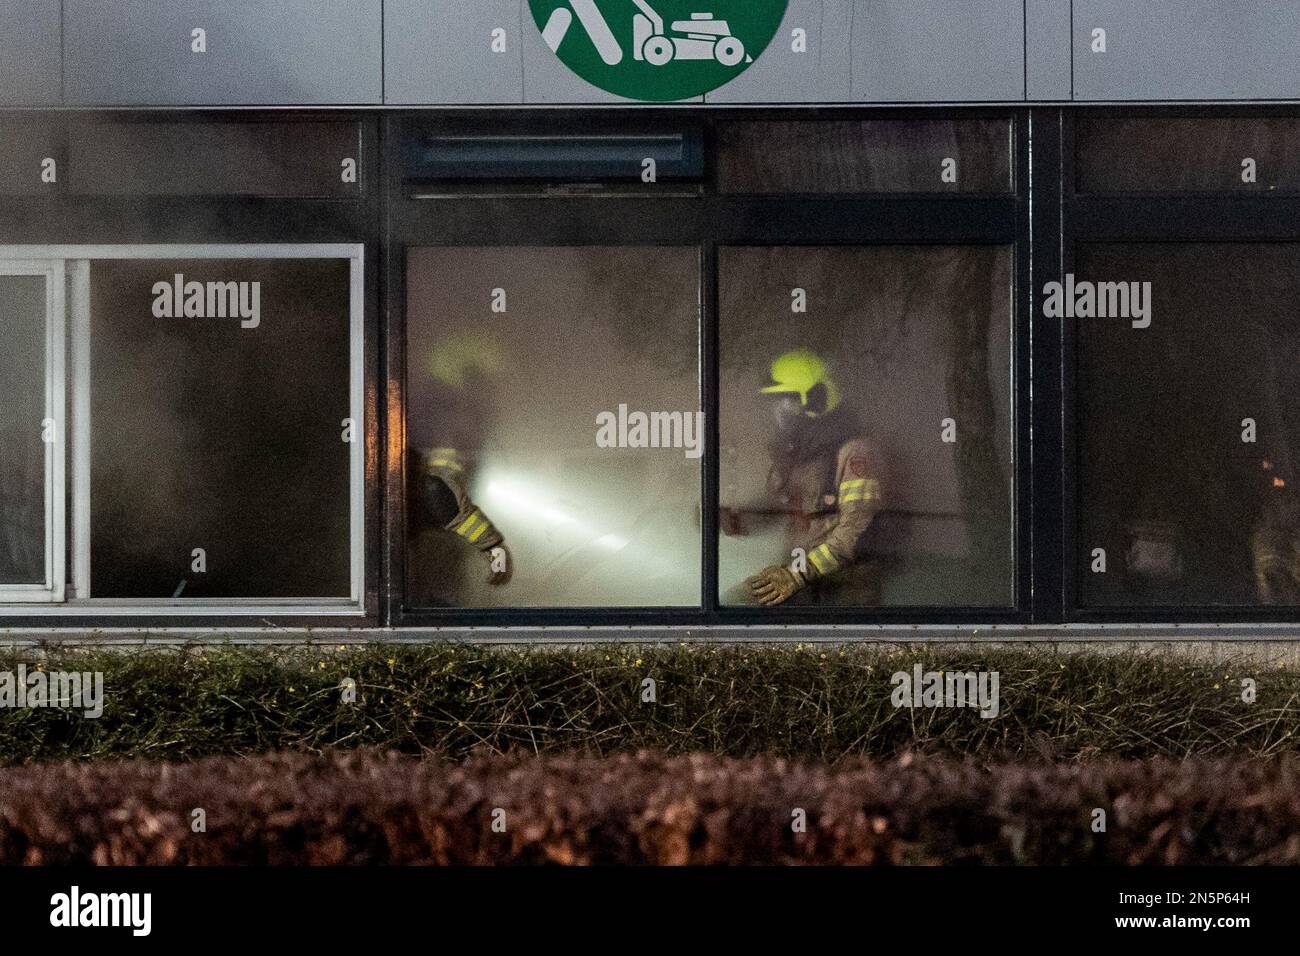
[
  {"x": 365, "y": 808},
  {"x": 803, "y": 701}
]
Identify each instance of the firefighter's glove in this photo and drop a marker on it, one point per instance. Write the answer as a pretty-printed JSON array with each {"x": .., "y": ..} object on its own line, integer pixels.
[
  {"x": 774, "y": 585},
  {"x": 501, "y": 564}
]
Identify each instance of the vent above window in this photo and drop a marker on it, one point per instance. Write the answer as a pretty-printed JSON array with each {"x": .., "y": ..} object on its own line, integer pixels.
[{"x": 438, "y": 162}]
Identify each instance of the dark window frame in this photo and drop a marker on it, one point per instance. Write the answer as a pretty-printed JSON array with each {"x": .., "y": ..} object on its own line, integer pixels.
[{"x": 707, "y": 220}]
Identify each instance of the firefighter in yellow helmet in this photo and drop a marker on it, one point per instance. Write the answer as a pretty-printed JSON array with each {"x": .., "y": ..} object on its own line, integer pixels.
[
  {"x": 445, "y": 434},
  {"x": 825, "y": 478}
]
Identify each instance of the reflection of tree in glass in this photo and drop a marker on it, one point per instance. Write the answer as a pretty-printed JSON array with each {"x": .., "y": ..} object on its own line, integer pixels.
[
  {"x": 983, "y": 484},
  {"x": 655, "y": 287}
]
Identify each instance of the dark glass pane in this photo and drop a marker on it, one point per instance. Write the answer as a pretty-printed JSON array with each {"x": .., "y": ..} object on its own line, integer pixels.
[
  {"x": 22, "y": 410},
  {"x": 1188, "y": 155},
  {"x": 1185, "y": 510},
  {"x": 867, "y": 156},
  {"x": 516, "y": 359},
  {"x": 24, "y": 145},
  {"x": 209, "y": 434},
  {"x": 297, "y": 159},
  {"x": 834, "y": 422}
]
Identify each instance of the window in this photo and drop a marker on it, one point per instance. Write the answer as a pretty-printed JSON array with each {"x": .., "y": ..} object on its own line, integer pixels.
[
  {"x": 31, "y": 431},
  {"x": 1179, "y": 279},
  {"x": 865, "y": 156},
  {"x": 1239, "y": 154},
  {"x": 1188, "y": 435},
  {"x": 627, "y": 281},
  {"x": 300, "y": 159},
  {"x": 216, "y": 422},
  {"x": 866, "y": 427},
  {"x": 553, "y": 428}
]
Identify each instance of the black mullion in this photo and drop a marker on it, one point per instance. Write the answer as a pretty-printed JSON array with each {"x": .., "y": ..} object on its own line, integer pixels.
[
  {"x": 710, "y": 386},
  {"x": 1069, "y": 472},
  {"x": 673, "y": 220},
  {"x": 1185, "y": 218},
  {"x": 393, "y": 414},
  {"x": 1047, "y": 454}
]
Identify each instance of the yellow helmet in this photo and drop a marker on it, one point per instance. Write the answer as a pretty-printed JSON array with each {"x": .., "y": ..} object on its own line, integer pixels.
[
  {"x": 458, "y": 356},
  {"x": 803, "y": 373}
]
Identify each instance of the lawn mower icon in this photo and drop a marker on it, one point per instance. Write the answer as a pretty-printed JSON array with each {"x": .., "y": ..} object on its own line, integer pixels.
[{"x": 699, "y": 38}]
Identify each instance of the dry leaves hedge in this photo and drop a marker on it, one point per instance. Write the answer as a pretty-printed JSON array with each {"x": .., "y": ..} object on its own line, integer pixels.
[{"x": 365, "y": 808}]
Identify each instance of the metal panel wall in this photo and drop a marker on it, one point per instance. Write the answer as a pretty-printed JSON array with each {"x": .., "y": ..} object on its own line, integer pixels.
[
  {"x": 917, "y": 51},
  {"x": 1186, "y": 49},
  {"x": 210, "y": 52},
  {"x": 1047, "y": 50},
  {"x": 30, "y": 54},
  {"x": 448, "y": 51}
]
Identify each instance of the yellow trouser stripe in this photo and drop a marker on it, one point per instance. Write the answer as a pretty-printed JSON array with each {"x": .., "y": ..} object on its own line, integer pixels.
[
  {"x": 853, "y": 483},
  {"x": 478, "y": 532},
  {"x": 446, "y": 463},
  {"x": 468, "y": 523}
]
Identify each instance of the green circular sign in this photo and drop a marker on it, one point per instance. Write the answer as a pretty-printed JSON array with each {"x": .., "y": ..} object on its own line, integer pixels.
[{"x": 658, "y": 50}]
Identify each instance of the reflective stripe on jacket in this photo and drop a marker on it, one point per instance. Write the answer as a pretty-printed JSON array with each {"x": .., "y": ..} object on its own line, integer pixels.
[
  {"x": 833, "y": 504},
  {"x": 449, "y": 467}
]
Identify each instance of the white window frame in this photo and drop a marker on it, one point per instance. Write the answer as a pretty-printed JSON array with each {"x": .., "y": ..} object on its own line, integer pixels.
[
  {"x": 53, "y": 589},
  {"x": 64, "y": 262}
]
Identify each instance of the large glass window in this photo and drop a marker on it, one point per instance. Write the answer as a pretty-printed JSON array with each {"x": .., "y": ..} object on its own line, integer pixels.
[
  {"x": 219, "y": 393},
  {"x": 1188, "y": 436},
  {"x": 866, "y": 426},
  {"x": 554, "y": 436}
]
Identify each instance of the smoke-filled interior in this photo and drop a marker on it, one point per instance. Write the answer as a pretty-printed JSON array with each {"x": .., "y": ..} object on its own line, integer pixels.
[
  {"x": 22, "y": 414},
  {"x": 512, "y": 354}
]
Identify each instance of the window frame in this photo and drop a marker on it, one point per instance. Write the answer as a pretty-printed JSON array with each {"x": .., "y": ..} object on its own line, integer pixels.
[
  {"x": 55, "y": 380},
  {"x": 708, "y": 220},
  {"x": 74, "y": 262}
]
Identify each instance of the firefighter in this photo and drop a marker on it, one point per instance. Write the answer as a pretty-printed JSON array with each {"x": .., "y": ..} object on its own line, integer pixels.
[
  {"x": 1275, "y": 540},
  {"x": 446, "y": 433},
  {"x": 825, "y": 477}
]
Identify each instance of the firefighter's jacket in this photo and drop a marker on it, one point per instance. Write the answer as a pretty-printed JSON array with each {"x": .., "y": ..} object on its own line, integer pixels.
[
  {"x": 444, "y": 486},
  {"x": 831, "y": 495}
]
